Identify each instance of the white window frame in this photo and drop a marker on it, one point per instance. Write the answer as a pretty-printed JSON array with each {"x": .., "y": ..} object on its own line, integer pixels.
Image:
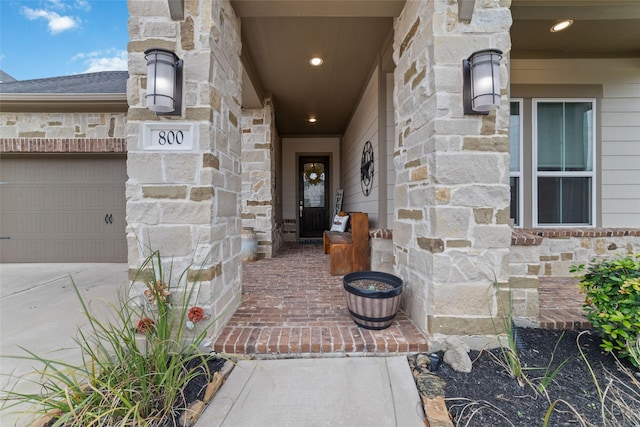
[
  {"x": 583, "y": 174},
  {"x": 520, "y": 173}
]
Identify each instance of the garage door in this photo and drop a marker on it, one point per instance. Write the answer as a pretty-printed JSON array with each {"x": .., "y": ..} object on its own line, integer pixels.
[{"x": 62, "y": 209}]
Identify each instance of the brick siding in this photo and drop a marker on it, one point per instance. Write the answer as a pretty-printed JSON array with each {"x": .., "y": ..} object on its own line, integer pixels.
[{"x": 63, "y": 145}]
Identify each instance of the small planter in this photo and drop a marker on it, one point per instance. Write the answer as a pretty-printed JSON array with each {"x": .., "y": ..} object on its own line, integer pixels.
[
  {"x": 372, "y": 309},
  {"x": 249, "y": 248}
]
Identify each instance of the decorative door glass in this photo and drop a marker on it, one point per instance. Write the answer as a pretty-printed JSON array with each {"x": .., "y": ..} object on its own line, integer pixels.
[{"x": 313, "y": 179}]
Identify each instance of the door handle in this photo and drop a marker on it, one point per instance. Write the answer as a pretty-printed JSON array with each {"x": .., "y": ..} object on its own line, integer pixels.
[
  {"x": 108, "y": 219},
  {"x": 301, "y": 209}
]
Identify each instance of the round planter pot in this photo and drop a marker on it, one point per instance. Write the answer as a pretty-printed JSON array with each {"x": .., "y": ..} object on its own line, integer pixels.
[
  {"x": 372, "y": 309},
  {"x": 249, "y": 248}
]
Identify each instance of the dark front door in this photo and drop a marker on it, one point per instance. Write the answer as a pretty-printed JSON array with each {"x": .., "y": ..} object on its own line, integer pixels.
[{"x": 313, "y": 197}]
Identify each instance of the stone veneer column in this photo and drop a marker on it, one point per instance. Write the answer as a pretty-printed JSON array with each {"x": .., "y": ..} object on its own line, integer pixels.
[
  {"x": 187, "y": 204},
  {"x": 451, "y": 234},
  {"x": 259, "y": 193}
]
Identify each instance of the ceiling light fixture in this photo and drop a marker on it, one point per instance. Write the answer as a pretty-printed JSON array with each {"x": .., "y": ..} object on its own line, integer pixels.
[
  {"x": 561, "y": 25},
  {"x": 312, "y": 120},
  {"x": 316, "y": 61}
]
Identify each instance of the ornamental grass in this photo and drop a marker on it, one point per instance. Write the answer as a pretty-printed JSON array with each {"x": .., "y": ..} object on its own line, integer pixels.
[{"x": 134, "y": 366}]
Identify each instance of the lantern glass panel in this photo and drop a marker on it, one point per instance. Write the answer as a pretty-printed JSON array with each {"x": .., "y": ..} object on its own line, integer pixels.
[
  {"x": 161, "y": 76},
  {"x": 485, "y": 81}
]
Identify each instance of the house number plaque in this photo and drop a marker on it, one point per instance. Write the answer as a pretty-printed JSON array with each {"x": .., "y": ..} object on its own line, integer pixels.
[{"x": 168, "y": 136}]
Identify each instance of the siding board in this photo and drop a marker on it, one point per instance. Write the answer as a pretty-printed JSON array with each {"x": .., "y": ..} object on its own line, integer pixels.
[
  {"x": 619, "y": 121},
  {"x": 627, "y": 191}
]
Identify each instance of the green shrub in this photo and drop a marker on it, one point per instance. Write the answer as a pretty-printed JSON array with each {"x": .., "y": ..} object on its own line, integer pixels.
[{"x": 612, "y": 302}]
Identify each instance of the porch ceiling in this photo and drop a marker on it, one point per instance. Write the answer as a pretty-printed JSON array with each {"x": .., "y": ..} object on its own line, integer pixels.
[{"x": 280, "y": 36}]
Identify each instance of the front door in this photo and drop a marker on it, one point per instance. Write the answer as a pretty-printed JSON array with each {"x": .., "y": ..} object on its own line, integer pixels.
[{"x": 313, "y": 198}]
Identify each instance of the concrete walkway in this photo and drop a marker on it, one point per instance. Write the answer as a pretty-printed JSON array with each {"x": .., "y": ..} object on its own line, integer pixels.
[{"x": 345, "y": 392}]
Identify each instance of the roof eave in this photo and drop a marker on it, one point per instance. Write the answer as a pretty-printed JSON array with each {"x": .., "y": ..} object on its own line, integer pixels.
[{"x": 63, "y": 102}]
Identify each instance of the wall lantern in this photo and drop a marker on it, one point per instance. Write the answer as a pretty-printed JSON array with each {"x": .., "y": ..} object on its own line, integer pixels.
[
  {"x": 481, "y": 81},
  {"x": 164, "y": 82}
]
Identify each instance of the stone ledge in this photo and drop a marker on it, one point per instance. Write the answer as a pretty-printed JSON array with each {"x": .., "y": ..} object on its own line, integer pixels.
[
  {"x": 581, "y": 232},
  {"x": 382, "y": 233},
  {"x": 521, "y": 238},
  {"x": 534, "y": 236}
]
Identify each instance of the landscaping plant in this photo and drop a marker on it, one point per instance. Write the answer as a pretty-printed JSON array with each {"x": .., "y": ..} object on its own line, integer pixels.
[
  {"x": 619, "y": 399},
  {"x": 510, "y": 353},
  {"x": 134, "y": 366},
  {"x": 612, "y": 302}
]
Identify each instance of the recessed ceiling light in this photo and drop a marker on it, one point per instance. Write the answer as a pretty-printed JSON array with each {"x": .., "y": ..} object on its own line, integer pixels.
[
  {"x": 316, "y": 61},
  {"x": 312, "y": 120},
  {"x": 561, "y": 25}
]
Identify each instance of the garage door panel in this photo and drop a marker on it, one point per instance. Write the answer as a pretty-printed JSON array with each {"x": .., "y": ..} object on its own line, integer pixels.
[{"x": 57, "y": 209}]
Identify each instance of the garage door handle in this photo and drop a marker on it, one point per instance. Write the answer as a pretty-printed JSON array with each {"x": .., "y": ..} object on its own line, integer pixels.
[{"x": 108, "y": 219}]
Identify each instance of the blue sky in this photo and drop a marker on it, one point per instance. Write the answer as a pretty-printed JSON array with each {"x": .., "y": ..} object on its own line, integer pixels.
[{"x": 50, "y": 38}]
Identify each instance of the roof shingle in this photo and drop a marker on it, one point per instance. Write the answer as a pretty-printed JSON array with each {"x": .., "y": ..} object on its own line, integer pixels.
[{"x": 101, "y": 82}]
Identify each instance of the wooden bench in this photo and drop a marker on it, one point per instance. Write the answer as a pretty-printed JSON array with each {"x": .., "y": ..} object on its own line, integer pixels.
[{"x": 348, "y": 251}]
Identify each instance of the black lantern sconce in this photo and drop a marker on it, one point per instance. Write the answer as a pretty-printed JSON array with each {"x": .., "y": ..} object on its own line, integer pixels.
[
  {"x": 481, "y": 81},
  {"x": 164, "y": 82}
]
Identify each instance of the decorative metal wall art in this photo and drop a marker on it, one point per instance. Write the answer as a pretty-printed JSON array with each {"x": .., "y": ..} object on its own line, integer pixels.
[{"x": 366, "y": 168}]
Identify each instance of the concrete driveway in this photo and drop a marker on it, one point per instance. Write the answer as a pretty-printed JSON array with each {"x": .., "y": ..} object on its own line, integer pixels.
[{"x": 40, "y": 311}]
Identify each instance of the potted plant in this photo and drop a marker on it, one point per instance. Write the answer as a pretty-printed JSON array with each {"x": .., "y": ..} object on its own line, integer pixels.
[{"x": 373, "y": 298}]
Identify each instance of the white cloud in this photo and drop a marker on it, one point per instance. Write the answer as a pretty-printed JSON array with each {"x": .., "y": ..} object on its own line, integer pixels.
[
  {"x": 57, "y": 4},
  {"x": 66, "y": 4},
  {"x": 104, "y": 61},
  {"x": 83, "y": 4},
  {"x": 57, "y": 24}
]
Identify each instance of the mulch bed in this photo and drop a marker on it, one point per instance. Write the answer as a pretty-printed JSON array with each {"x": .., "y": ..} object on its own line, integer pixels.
[
  {"x": 489, "y": 396},
  {"x": 195, "y": 388}
]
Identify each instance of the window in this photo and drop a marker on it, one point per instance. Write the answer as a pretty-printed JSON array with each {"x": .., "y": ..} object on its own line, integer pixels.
[
  {"x": 515, "y": 161},
  {"x": 563, "y": 153}
]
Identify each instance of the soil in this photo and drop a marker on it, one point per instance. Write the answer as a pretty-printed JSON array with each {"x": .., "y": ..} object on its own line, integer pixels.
[
  {"x": 371, "y": 285},
  {"x": 489, "y": 396}
]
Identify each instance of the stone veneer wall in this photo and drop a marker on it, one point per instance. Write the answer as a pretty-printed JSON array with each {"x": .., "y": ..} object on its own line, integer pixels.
[
  {"x": 535, "y": 254},
  {"x": 289, "y": 229},
  {"x": 539, "y": 253},
  {"x": 451, "y": 234},
  {"x": 62, "y": 126},
  {"x": 551, "y": 252},
  {"x": 381, "y": 250},
  {"x": 260, "y": 158},
  {"x": 187, "y": 204},
  {"x": 62, "y": 132}
]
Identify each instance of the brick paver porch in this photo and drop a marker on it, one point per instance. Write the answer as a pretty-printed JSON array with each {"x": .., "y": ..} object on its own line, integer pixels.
[
  {"x": 561, "y": 304},
  {"x": 292, "y": 306}
]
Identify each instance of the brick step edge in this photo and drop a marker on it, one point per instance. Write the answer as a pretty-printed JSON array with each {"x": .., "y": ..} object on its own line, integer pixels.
[{"x": 436, "y": 413}]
